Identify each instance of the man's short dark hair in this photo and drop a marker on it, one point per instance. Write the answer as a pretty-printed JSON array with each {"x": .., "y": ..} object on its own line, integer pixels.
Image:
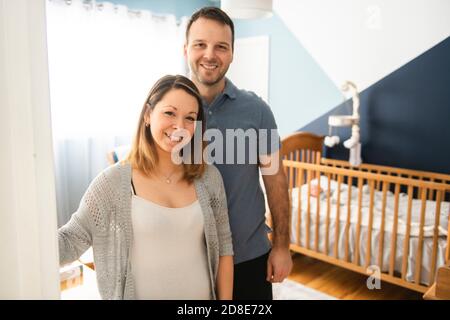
[{"x": 212, "y": 13}]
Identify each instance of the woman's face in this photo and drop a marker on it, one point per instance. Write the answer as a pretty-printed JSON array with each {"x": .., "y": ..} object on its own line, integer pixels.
[{"x": 172, "y": 120}]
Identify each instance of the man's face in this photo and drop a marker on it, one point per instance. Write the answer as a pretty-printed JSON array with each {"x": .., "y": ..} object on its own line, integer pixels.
[{"x": 208, "y": 51}]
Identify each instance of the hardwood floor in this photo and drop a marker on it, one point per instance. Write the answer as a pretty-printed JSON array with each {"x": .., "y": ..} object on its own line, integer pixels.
[{"x": 342, "y": 283}]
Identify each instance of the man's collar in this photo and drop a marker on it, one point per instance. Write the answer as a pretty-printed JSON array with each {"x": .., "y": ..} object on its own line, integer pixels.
[{"x": 230, "y": 89}]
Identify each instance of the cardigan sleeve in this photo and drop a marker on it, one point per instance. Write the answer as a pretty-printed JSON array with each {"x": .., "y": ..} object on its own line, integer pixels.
[
  {"x": 220, "y": 210},
  {"x": 76, "y": 236}
]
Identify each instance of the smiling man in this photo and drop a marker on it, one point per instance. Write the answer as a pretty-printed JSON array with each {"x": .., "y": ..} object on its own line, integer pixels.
[
  {"x": 210, "y": 51},
  {"x": 258, "y": 263}
]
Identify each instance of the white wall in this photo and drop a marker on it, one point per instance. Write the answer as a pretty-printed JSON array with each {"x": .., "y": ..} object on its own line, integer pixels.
[
  {"x": 28, "y": 242},
  {"x": 250, "y": 67},
  {"x": 365, "y": 40}
]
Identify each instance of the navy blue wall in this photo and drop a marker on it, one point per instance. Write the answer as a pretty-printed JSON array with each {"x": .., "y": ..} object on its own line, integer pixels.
[{"x": 405, "y": 117}]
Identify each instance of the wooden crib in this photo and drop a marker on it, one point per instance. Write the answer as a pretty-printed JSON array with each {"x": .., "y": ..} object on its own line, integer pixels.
[{"x": 326, "y": 219}]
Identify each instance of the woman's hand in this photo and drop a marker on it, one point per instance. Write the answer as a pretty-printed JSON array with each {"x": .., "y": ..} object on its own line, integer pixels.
[{"x": 225, "y": 278}]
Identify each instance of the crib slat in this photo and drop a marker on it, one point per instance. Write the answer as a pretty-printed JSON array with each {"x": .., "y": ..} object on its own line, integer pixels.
[
  {"x": 394, "y": 231},
  {"x": 435, "y": 235},
  {"x": 378, "y": 182},
  {"x": 338, "y": 210},
  {"x": 369, "y": 228},
  {"x": 297, "y": 158},
  {"x": 312, "y": 155},
  {"x": 358, "y": 226},
  {"x": 286, "y": 172},
  {"x": 316, "y": 244},
  {"x": 408, "y": 231},
  {"x": 327, "y": 220},
  {"x": 420, "y": 247},
  {"x": 286, "y": 168},
  {"x": 431, "y": 191},
  {"x": 383, "y": 214},
  {"x": 291, "y": 176},
  {"x": 374, "y": 183},
  {"x": 347, "y": 224},
  {"x": 308, "y": 208},
  {"x": 447, "y": 252},
  {"x": 420, "y": 189},
  {"x": 299, "y": 208}
]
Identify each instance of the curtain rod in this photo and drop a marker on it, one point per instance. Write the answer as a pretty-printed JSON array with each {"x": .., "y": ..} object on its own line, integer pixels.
[{"x": 137, "y": 13}]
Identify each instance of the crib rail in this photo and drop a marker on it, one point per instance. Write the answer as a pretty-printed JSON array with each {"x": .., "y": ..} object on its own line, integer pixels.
[
  {"x": 392, "y": 171},
  {"x": 418, "y": 186}
]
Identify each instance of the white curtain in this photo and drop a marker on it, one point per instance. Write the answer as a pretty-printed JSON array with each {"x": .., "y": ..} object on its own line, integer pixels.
[{"x": 103, "y": 60}]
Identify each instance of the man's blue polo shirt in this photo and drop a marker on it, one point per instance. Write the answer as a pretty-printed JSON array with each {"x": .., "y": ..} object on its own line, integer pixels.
[{"x": 240, "y": 109}]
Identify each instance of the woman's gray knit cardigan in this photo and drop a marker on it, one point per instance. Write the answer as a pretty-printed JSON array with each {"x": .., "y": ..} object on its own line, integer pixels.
[{"x": 103, "y": 221}]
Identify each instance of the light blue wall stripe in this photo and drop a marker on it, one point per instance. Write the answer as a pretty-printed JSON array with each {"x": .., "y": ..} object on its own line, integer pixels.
[{"x": 299, "y": 90}]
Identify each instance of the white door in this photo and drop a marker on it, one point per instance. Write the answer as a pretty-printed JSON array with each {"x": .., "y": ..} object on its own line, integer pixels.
[
  {"x": 250, "y": 67},
  {"x": 28, "y": 241}
]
